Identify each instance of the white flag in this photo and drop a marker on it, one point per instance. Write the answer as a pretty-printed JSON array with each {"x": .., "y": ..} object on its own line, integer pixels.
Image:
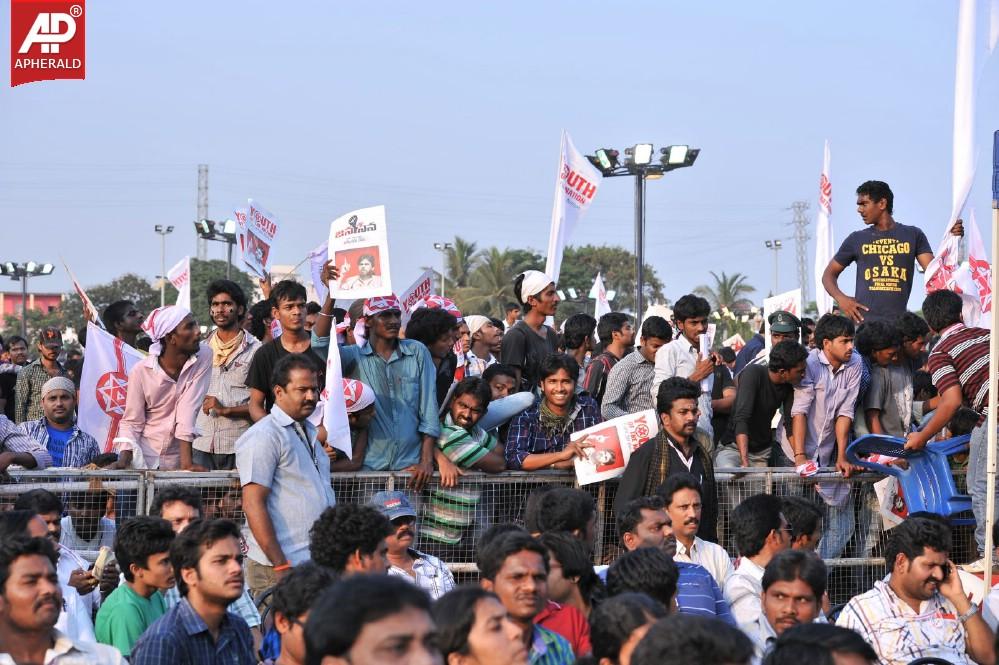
[
  {"x": 317, "y": 260},
  {"x": 823, "y": 237},
  {"x": 88, "y": 305},
  {"x": 103, "y": 385},
  {"x": 180, "y": 277},
  {"x": 423, "y": 286},
  {"x": 575, "y": 188},
  {"x": 599, "y": 292},
  {"x": 335, "y": 406}
]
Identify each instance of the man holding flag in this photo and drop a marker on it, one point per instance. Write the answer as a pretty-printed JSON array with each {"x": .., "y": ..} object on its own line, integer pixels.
[{"x": 165, "y": 392}]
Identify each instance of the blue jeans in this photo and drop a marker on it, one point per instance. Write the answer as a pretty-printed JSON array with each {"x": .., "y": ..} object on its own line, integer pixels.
[
  {"x": 977, "y": 464},
  {"x": 504, "y": 409}
]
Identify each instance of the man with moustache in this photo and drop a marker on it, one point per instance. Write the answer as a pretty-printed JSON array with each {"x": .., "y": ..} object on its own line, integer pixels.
[
  {"x": 288, "y": 303},
  {"x": 225, "y": 412},
  {"x": 30, "y": 602},
  {"x": 674, "y": 450},
  {"x": 793, "y": 585},
  {"x": 427, "y": 572},
  {"x": 921, "y": 609},
  {"x": 165, "y": 392},
  {"x": 208, "y": 565},
  {"x": 68, "y": 445},
  {"x": 645, "y": 523},
  {"x": 285, "y": 475}
]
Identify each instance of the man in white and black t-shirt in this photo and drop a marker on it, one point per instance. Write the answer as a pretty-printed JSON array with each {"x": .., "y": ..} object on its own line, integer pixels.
[
  {"x": 885, "y": 253},
  {"x": 529, "y": 341}
]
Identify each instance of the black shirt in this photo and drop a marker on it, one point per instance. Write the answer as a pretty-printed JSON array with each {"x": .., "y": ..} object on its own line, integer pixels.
[
  {"x": 7, "y": 382},
  {"x": 723, "y": 380},
  {"x": 756, "y": 401},
  {"x": 885, "y": 263},
  {"x": 526, "y": 350},
  {"x": 262, "y": 369}
]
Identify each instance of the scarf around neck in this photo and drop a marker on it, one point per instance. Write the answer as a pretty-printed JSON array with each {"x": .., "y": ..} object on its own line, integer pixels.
[
  {"x": 553, "y": 424},
  {"x": 221, "y": 351}
]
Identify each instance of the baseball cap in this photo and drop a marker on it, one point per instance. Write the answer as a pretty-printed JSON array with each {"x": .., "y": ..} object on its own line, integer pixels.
[
  {"x": 783, "y": 322},
  {"x": 393, "y": 504},
  {"x": 50, "y": 336}
]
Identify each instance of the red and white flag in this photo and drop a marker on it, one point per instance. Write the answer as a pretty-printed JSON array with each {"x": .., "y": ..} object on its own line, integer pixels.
[
  {"x": 575, "y": 188},
  {"x": 180, "y": 277},
  {"x": 103, "y": 385},
  {"x": 335, "y": 406},
  {"x": 599, "y": 293},
  {"x": 824, "y": 248},
  {"x": 88, "y": 305}
]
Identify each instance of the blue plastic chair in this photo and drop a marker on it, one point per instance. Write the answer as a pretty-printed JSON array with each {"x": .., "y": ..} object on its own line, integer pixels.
[{"x": 928, "y": 483}]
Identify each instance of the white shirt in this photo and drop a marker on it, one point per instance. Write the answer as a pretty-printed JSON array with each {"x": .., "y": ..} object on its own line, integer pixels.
[
  {"x": 679, "y": 358},
  {"x": 708, "y": 555},
  {"x": 103, "y": 538},
  {"x": 76, "y": 619},
  {"x": 762, "y": 634},
  {"x": 742, "y": 591},
  {"x": 69, "y": 652}
]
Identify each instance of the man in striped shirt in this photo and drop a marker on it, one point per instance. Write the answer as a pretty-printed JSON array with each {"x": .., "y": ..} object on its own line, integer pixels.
[{"x": 959, "y": 365}]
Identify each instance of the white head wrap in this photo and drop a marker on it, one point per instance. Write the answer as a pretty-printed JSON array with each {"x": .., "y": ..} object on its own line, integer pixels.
[
  {"x": 161, "y": 322},
  {"x": 534, "y": 283},
  {"x": 475, "y": 323},
  {"x": 58, "y": 383}
]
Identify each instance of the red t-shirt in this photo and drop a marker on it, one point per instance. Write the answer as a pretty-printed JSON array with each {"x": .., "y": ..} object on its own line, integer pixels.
[{"x": 568, "y": 622}]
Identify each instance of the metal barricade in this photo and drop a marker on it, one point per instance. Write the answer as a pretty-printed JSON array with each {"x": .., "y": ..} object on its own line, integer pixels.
[{"x": 451, "y": 520}]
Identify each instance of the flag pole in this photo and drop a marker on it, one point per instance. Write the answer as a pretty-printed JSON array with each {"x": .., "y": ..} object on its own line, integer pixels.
[{"x": 990, "y": 472}]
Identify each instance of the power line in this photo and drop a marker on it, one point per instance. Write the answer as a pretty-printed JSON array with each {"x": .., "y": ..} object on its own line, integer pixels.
[{"x": 800, "y": 222}]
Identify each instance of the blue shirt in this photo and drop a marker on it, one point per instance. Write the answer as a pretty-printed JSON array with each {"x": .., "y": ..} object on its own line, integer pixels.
[
  {"x": 405, "y": 388},
  {"x": 274, "y": 454},
  {"x": 58, "y": 438},
  {"x": 181, "y": 637},
  {"x": 527, "y": 437},
  {"x": 696, "y": 592}
]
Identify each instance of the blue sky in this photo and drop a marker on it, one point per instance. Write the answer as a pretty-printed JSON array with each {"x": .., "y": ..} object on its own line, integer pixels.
[{"x": 450, "y": 113}]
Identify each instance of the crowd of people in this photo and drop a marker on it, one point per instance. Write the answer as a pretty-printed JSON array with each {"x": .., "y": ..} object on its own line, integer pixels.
[{"x": 280, "y": 571}]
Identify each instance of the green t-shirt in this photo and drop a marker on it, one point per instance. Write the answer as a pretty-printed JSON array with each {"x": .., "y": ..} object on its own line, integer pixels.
[{"x": 125, "y": 615}]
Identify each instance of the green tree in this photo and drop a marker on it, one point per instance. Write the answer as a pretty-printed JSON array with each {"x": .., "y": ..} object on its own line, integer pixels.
[
  {"x": 727, "y": 292},
  {"x": 580, "y": 266},
  {"x": 490, "y": 285},
  {"x": 36, "y": 320},
  {"x": 729, "y": 304},
  {"x": 461, "y": 261}
]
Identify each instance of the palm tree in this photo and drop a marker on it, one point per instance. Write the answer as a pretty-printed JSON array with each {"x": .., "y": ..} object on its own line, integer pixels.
[
  {"x": 461, "y": 261},
  {"x": 490, "y": 285},
  {"x": 728, "y": 292}
]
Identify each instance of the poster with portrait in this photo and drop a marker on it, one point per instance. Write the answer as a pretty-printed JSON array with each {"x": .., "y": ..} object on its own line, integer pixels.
[
  {"x": 358, "y": 245},
  {"x": 258, "y": 239},
  {"x": 612, "y": 443}
]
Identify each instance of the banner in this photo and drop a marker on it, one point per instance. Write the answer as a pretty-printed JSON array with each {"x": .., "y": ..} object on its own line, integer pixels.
[
  {"x": 180, "y": 277},
  {"x": 789, "y": 301},
  {"x": 824, "y": 248},
  {"x": 575, "y": 188},
  {"x": 258, "y": 242},
  {"x": 103, "y": 384},
  {"x": 613, "y": 443},
  {"x": 359, "y": 243},
  {"x": 240, "y": 215},
  {"x": 317, "y": 259},
  {"x": 599, "y": 292},
  {"x": 423, "y": 286},
  {"x": 335, "y": 407},
  {"x": 88, "y": 305}
]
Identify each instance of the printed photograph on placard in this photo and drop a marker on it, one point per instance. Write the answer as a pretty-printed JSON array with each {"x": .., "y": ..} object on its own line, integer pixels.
[
  {"x": 256, "y": 253},
  {"x": 606, "y": 453},
  {"x": 359, "y": 268}
]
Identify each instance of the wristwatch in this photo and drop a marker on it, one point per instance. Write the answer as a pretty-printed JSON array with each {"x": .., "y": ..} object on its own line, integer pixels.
[{"x": 972, "y": 611}]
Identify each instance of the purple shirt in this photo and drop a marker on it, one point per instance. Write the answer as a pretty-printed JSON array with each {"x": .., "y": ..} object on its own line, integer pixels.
[{"x": 822, "y": 397}]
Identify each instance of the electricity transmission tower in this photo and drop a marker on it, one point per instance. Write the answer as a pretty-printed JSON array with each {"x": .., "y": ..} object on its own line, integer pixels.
[
  {"x": 202, "y": 208},
  {"x": 800, "y": 222}
]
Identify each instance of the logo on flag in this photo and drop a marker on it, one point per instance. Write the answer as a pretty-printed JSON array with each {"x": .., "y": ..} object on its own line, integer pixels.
[{"x": 104, "y": 385}]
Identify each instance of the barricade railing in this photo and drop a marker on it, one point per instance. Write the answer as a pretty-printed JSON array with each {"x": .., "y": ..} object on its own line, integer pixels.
[{"x": 451, "y": 520}]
